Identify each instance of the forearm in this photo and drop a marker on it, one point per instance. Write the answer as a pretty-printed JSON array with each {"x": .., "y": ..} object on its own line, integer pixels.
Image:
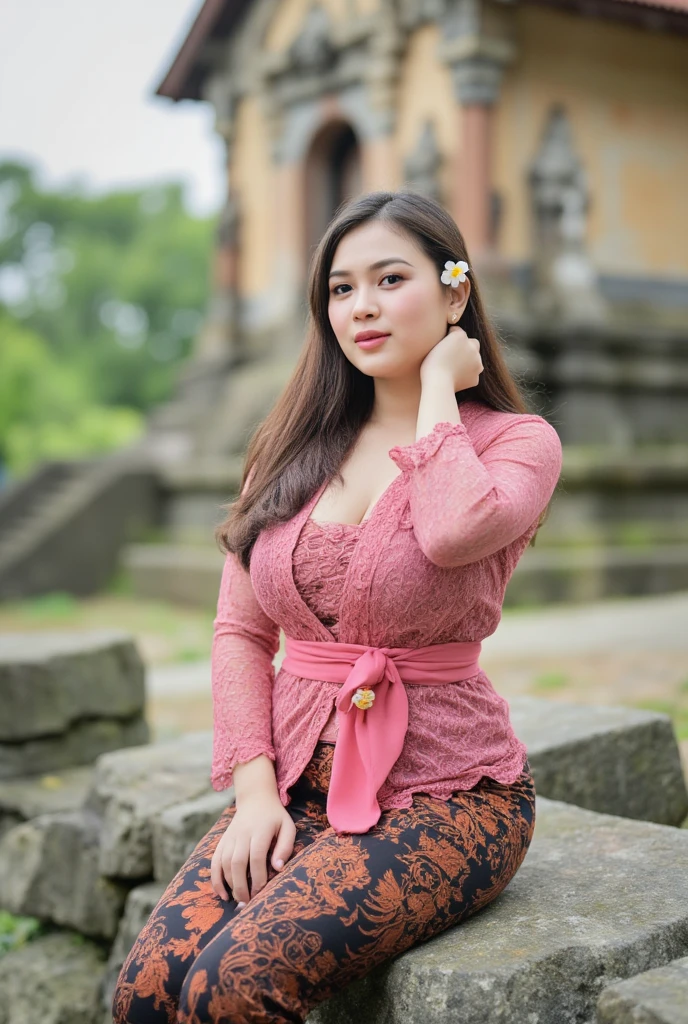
[
  {"x": 437, "y": 402},
  {"x": 468, "y": 500},
  {"x": 254, "y": 776},
  {"x": 245, "y": 641}
]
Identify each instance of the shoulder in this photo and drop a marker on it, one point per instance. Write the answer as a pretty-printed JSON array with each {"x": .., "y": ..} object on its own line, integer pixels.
[{"x": 486, "y": 425}]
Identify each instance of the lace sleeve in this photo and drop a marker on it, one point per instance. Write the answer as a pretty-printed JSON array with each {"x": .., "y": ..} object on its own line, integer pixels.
[
  {"x": 245, "y": 641},
  {"x": 464, "y": 506}
]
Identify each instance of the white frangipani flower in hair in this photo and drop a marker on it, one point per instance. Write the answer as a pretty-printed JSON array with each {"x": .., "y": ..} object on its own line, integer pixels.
[{"x": 454, "y": 273}]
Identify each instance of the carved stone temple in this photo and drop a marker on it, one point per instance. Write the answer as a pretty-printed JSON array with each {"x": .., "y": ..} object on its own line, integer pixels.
[{"x": 554, "y": 131}]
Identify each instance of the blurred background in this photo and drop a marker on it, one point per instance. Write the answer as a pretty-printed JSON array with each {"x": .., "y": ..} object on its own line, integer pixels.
[
  {"x": 166, "y": 170},
  {"x": 165, "y": 173}
]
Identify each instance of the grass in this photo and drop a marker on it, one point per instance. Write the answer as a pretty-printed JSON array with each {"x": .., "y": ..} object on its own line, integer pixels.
[
  {"x": 165, "y": 633},
  {"x": 677, "y": 710},
  {"x": 550, "y": 681}
]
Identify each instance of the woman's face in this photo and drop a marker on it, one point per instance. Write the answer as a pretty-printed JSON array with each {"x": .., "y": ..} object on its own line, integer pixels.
[{"x": 404, "y": 299}]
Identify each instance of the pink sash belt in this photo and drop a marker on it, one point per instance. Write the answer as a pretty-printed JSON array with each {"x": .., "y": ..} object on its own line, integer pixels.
[{"x": 370, "y": 740}]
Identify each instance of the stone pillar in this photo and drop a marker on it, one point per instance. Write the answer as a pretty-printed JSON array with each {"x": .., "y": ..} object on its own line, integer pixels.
[
  {"x": 216, "y": 344},
  {"x": 217, "y": 339},
  {"x": 476, "y": 45}
]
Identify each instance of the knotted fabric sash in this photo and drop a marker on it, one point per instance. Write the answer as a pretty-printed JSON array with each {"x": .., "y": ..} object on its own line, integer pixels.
[{"x": 370, "y": 741}]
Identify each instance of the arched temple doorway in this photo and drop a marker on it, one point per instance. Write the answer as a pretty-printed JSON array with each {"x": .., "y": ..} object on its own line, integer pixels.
[{"x": 332, "y": 176}]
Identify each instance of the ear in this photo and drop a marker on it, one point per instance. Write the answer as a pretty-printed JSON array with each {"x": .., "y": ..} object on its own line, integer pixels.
[{"x": 457, "y": 300}]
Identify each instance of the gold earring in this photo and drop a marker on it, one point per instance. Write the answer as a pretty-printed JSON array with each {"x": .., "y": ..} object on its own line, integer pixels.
[{"x": 453, "y": 318}]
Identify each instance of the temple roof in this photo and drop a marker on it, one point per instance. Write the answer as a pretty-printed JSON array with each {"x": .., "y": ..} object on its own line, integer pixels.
[{"x": 217, "y": 19}]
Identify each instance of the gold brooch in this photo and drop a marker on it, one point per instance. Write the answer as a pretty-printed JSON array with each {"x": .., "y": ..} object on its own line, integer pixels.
[{"x": 363, "y": 698}]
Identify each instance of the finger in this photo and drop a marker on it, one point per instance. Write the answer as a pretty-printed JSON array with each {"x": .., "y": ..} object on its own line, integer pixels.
[
  {"x": 216, "y": 875},
  {"x": 259, "y": 873},
  {"x": 284, "y": 847},
  {"x": 237, "y": 867},
  {"x": 216, "y": 879},
  {"x": 226, "y": 866}
]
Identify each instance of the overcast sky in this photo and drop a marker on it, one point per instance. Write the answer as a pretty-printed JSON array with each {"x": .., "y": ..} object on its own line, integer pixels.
[{"x": 77, "y": 79}]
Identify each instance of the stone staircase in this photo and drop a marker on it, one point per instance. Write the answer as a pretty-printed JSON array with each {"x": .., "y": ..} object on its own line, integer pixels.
[
  {"x": 63, "y": 527},
  {"x": 618, "y": 526}
]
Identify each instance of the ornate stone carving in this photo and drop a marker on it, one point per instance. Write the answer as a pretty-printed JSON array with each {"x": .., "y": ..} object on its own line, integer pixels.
[
  {"x": 312, "y": 50},
  {"x": 564, "y": 281},
  {"x": 421, "y": 169},
  {"x": 220, "y": 91},
  {"x": 477, "y": 44},
  {"x": 477, "y": 80}
]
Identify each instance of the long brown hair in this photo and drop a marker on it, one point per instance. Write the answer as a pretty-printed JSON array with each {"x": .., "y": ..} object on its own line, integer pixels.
[{"x": 316, "y": 420}]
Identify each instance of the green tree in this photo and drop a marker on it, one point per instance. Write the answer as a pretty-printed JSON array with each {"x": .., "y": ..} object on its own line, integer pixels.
[
  {"x": 100, "y": 300},
  {"x": 115, "y": 284},
  {"x": 45, "y": 411}
]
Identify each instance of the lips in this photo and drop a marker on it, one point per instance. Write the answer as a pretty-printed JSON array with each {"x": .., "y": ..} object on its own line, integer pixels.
[{"x": 364, "y": 336}]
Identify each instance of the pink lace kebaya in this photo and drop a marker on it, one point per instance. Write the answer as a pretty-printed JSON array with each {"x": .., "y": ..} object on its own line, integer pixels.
[{"x": 429, "y": 565}]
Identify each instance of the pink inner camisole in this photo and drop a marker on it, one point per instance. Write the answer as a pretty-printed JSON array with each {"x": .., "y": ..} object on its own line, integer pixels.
[{"x": 320, "y": 562}]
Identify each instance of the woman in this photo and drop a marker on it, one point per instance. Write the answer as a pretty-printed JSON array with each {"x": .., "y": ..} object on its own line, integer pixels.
[{"x": 381, "y": 794}]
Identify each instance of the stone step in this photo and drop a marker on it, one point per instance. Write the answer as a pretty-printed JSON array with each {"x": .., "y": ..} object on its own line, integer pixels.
[
  {"x": 614, "y": 760},
  {"x": 597, "y": 899},
  {"x": 589, "y": 574},
  {"x": 55, "y": 979},
  {"x": 182, "y": 573},
  {"x": 68, "y": 697},
  {"x": 190, "y": 574},
  {"x": 659, "y": 996}
]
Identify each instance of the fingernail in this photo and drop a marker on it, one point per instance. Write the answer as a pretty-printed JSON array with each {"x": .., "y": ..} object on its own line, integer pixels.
[
  {"x": 241, "y": 904},
  {"x": 279, "y": 863}
]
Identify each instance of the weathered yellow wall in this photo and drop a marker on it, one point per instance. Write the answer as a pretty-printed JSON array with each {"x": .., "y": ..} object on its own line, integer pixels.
[
  {"x": 425, "y": 92},
  {"x": 626, "y": 93},
  {"x": 251, "y": 175}
]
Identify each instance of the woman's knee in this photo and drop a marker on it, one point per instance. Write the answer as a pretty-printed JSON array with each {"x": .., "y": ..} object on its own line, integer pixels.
[
  {"x": 237, "y": 991},
  {"x": 148, "y": 986}
]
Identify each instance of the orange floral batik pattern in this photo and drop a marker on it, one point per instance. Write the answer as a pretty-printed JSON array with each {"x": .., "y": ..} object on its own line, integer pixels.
[{"x": 341, "y": 905}]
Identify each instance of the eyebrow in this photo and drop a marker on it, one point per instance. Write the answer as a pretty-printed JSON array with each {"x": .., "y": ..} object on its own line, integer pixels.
[{"x": 373, "y": 266}]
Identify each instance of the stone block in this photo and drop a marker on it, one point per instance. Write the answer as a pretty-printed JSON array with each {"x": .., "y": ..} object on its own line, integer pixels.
[
  {"x": 177, "y": 830},
  {"x": 25, "y": 798},
  {"x": 659, "y": 996},
  {"x": 597, "y": 899},
  {"x": 55, "y": 979},
  {"x": 81, "y": 744},
  {"x": 140, "y": 904},
  {"x": 49, "y": 869},
  {"x": 614, "y": 760},
  {"x": 49, "y": 681},
  {"x": 131, "y": 788}
]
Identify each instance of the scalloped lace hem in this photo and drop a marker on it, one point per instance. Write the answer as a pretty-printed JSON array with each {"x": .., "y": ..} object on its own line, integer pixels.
[
  {"x": 506, "y": 772},
  {"x": 403, "y": 798}
]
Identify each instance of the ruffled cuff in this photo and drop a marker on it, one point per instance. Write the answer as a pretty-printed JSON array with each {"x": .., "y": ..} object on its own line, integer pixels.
[
  {"x": 409, "y": 456},
  {"x": 222, "y": 771}
]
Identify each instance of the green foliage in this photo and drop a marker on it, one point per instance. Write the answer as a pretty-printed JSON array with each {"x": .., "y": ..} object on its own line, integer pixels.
[
  {"x": 100, "y": 300},
  {"x": 16, "y": 931}
]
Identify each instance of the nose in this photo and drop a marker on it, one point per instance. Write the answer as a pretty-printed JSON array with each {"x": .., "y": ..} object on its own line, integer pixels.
[{"x": 364, "y": 306}]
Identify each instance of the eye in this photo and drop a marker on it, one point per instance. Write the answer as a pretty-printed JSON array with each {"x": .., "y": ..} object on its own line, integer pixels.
[{"x": 335, "y": 292}]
